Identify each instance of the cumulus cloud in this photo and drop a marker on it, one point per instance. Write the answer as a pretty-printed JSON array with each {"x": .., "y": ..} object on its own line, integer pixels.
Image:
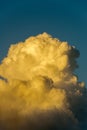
[{"x": 38, "y": 87}]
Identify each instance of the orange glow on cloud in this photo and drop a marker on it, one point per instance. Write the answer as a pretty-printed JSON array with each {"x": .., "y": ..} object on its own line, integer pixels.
[{"x": 41, "y": 85}]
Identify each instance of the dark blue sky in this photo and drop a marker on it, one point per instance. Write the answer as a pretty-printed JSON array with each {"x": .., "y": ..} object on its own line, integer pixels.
[{"x": 64, "y": 19}]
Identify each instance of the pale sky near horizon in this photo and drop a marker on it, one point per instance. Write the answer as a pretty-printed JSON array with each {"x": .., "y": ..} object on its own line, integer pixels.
[{"x": 63, "y": 19}]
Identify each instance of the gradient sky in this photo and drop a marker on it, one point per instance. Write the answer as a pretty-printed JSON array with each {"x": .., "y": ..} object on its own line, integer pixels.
[{"x": 63, "y": 19}]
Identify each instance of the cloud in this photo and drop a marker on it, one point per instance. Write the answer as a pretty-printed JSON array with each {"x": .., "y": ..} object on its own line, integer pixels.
[{"x": 38, "y": 87}]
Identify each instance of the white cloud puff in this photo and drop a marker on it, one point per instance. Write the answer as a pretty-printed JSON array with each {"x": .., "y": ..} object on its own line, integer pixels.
[{"x": 38, "y": 87}]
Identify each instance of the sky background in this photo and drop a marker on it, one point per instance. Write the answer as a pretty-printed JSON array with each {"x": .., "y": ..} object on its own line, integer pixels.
[{"x": 63, "y": 19}]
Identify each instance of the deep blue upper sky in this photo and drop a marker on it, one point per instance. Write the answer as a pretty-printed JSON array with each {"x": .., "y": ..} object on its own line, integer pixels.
[{"x": 64, "y": 19}]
